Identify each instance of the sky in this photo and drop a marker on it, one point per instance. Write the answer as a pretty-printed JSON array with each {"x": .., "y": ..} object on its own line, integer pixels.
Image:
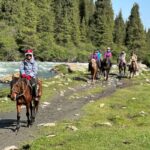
[{"x": 126, "y": 6}]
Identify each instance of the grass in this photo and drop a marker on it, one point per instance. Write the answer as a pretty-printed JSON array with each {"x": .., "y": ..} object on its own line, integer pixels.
[
  {"x": 51, "y": 87},
  {"x": 5, "y": 104},
  {"x": 121, "y": 124},
  {"x": 86, "y": 92}
]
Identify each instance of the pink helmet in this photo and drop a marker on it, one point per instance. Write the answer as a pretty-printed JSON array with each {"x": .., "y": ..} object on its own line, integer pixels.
[{"x": 29, "y": 51}]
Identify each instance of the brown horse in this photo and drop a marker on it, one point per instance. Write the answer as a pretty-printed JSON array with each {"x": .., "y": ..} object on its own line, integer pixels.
[
  {"x": 93, "y": 69},
  {"x": 132, "y": 69},
  {"x": 21, "y": 92},
  {"x": 105, "y": 67},
  {"x": 122, "y": 68}
]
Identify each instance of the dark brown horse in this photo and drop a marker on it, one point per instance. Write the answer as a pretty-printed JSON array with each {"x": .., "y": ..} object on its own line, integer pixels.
[
  {"x": 122, "y": 68},
  {"x": 21, "y": 92},
  {"x": 105, "y": 67},
  {"x": 132, "y": 69},
  {"x": 93, "y": 69}
]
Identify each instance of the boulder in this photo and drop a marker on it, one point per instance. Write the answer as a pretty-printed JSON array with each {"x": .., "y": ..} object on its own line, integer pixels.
[{"x": 8, "y": 78}]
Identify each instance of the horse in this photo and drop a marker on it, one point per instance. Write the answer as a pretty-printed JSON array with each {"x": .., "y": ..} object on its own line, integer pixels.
[
  {"x": 93, "y": 68},
  {"x": 105, "y": 67},
  {"x": 122, "y": 67},
  {"x": 21, "y": 92},
  {"x": 132, "y": 69}
]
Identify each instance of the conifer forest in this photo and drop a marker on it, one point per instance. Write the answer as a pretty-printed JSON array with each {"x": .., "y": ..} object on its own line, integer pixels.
[{"x": 69, "y": 30}]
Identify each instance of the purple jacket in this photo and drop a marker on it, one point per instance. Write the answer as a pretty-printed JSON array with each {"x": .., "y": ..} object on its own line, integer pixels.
[
  {"x": 108, "y": 54},
  {"x": 94, "y": 56}
]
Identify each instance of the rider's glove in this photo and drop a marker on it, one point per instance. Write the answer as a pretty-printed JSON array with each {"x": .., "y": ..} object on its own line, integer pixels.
[
  {"x": 28, "y": 77},
  {"x": 23, "y": 75}
]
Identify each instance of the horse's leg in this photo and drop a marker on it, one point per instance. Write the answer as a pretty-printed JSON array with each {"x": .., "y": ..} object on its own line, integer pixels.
[
  {"x": 28, "y": 114},
  {"x": 119, "y": 71},
  {"x": 124, "y": 70},
  {"x": 107, "y": 72},
  {"x": 32, "y": 113},
  {"x": 36, "y": 104},
  {"x": 18, "y": 116},
  {"x": 94, "y": 76}
]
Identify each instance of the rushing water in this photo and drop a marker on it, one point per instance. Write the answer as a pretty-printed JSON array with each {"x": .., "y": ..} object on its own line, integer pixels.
[{"x": 7, "y": 68}]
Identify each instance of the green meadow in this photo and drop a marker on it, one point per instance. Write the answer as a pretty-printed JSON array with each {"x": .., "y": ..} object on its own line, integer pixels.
[{"x": 120, "y": 121}]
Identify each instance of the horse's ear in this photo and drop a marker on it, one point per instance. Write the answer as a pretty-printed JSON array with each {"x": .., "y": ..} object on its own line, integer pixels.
[{"x": 13, "y": 77}]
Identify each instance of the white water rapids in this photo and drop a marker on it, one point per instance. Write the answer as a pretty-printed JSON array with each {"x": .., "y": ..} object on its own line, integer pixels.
[{"x": 7, "y": 68}]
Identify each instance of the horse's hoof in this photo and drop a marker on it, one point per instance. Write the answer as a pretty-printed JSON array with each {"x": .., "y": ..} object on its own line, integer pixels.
[
  {"x": 28, "y": 125},
  {"x": 33, "y": 120},
  {"x": 17, "y": 129}
]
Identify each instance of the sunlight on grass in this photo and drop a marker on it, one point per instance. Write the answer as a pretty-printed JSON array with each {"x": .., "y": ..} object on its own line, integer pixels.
[{"x": 118, "y": 122}]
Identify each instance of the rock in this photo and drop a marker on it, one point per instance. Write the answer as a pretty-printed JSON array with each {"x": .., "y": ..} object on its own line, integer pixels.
[
  {"x": 47, "y": 124},
  {"x": 11, "y": 148},
  {"x": 103, "y": 124},
  {"x": 51, "y": 135},
  {"x": 8, "y": 78},
  {"x": 58, "y": 109},
  {"x": 77, "y": 114},
  {"x": 102, "y": 105},
  {"x": 61, "y": 93},
  {"x": 46, "y": 103},
  {"x": 72, "y": 128},
  {"x": 92, "y": 101}
]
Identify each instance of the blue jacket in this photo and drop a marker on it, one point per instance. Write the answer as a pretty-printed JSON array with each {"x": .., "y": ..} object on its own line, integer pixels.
[
  {"x": 99, "y": 55},
  {"x": 29, "y": 68}
]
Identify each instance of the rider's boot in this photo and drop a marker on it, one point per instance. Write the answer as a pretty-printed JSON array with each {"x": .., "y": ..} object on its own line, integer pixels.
[{"x": 35, "y": 92}]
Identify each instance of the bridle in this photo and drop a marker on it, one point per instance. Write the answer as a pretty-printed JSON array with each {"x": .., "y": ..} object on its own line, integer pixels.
[{"x": 17, "y": 92}]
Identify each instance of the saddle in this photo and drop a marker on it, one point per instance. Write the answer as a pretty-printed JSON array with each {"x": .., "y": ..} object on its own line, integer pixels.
[{"x": 38, "y": 91}]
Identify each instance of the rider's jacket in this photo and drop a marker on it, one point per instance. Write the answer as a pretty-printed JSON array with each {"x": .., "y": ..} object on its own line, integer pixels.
[
  {"x": 122, "y": 57},
  {"x": 107, "y": 55},
  {"x": 29, "y": 67},
  {"x": 94, "y": 56},
  {"x": 99, "y": 56},
  {"x": 134, "y": 57}
]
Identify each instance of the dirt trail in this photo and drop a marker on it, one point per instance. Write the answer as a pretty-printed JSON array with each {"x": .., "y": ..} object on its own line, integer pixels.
[{"x": 59, "y": 109}]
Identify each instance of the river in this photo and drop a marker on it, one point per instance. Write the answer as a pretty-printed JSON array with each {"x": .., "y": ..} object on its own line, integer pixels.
[{"x": 13, "y": 67}]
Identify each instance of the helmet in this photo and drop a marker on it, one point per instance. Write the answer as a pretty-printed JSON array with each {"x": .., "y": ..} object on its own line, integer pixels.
[
  {"x": 108, "y": 49},
  {"x": 29, "y": 51},
  {"x": 122, "y": 52}
]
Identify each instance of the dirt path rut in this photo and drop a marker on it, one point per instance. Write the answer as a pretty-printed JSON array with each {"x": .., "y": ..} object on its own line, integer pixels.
[{"x": 59, "y": 108}]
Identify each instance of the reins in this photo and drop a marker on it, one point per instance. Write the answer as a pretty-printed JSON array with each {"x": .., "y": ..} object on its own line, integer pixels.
[{"x": 17, "y": 92}]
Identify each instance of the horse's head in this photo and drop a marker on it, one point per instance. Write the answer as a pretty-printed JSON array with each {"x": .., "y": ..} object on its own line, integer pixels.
[
  {"x": 93, "y": 63},
  {"x": 106, "y": 63},
  {"x": 16, "y": 88}
]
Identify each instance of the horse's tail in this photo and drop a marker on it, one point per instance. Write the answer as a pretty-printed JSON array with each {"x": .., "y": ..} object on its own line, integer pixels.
[{"x": 39, "y": 88}]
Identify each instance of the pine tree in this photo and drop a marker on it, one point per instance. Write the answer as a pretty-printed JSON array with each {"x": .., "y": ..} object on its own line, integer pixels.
[
  {"x": 102, "y": 24},
  {"x": 135, "y": 37},
  {"x": 67, "y": 22},
  {"x": 86, "y": 12},
  {"x": 45, "y": 28},
  {"x": 27, "y": 37},
  {"x": 119, "y": 30},
  {"x": 8, "y": 45},
  {"x": 11, "y": 11},
  {"x": 148, "y": 39}
]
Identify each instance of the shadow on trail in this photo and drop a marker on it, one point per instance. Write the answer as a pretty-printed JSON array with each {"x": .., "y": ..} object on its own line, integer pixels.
[
  {"x": 10, "y": 124},
  {"x": 80, "y": 79}
]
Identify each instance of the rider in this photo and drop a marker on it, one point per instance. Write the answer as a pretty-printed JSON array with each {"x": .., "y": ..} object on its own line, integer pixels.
[
  {"x": 28, "y": 70},
  {"x": 122, "y": 57},
  {"x": 134, "y": 58},
  {"x": 93, "y": 56},
  {"x": 99, "y": 55},
  {"x": 108, "y": 54}
]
